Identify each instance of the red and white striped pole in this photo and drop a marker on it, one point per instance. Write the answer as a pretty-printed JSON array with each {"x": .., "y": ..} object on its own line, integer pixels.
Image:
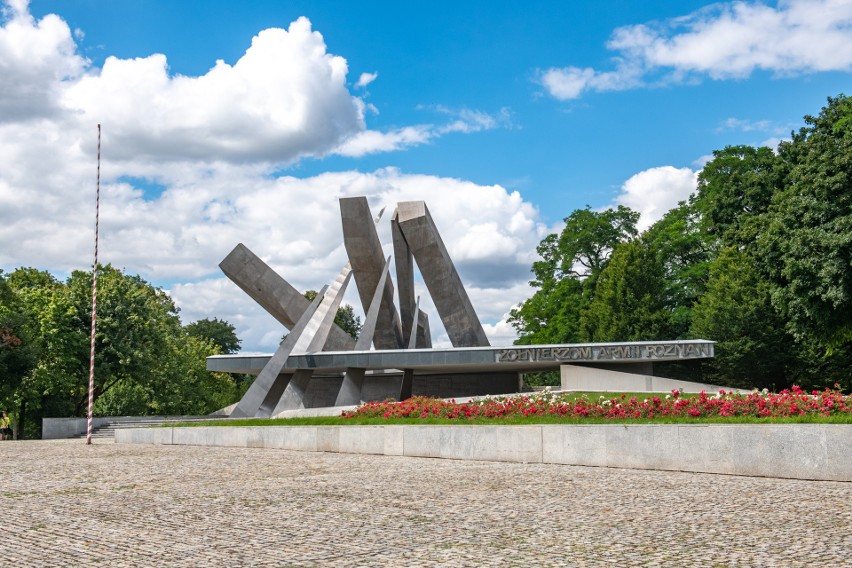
[{"x": 94, "y": 298}]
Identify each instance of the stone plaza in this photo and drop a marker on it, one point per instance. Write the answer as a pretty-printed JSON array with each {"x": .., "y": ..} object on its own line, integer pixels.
[{"x": 120, "y": 505}]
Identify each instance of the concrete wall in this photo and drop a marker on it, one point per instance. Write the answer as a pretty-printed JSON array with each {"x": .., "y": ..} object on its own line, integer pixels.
[
  {"x": 61, "y": 428},
  {"x": 797, "y": 451},
  {"x": 596, "y": 379}
]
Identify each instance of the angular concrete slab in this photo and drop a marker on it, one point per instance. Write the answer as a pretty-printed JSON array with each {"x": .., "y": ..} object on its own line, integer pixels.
[
  {"x": 404, "y": 262},
  {"x": 368, "y": 330},
  {"x": 523, "y": 358},
  {"x": 440, "y": 275},
  {"x": 270, "y": 379},
  {"x": 350, "y": 390},
  {"x": 367, "y": 258},
  {"x": 273, "y": 293},
  {"x": 273, "y": 395},
  {"x": 316, "y": 333},
  {"x": 412, "y": 334},
  {"x": 294, "y": 395},
  {"x": 424, "y": 334}
]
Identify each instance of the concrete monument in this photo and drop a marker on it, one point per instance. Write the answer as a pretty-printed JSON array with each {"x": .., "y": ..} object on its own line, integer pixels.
[{"x": 318, "y": 364}]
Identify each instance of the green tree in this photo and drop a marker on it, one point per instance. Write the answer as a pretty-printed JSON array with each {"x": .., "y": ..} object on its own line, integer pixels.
[
  {"x": 224, "y": 338},
  {"x": 56, "y": 343},
  {"x": 735, "y": 189},
  {"x": 17, "y": 352},
  {"x": 551, "y": 315},
  {"x": 752, "y": 349},
  {"x": 181, "y": 385},
  {"x": 219, "y": 332},
  {"x": 628, "y": 303},
  {"x": 135, "y": 324},
  {"x": 684, "y": 250},
  {"x": 145, "y": 363},
  {"x": 589, "y": 237},
  {"x": 807, "y": 243},
  {"x": 566, "y": 274}
]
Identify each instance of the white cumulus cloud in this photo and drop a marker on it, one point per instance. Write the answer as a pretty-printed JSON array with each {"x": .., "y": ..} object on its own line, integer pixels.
[
  {"x": 36, "y": 58},
  {"x": 653, "y": 192},
  {"x": 285, "y": 98},
  {"x": 721, "y": 41}
]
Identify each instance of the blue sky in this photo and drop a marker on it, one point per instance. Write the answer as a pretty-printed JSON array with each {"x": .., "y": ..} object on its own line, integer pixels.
[
  {"x": 483, "y": 56},
  {"x": 503, "y": 117}
]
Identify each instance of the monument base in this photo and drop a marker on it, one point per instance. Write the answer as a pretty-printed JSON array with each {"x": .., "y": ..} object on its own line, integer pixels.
[{"x": 322, "y": 390}]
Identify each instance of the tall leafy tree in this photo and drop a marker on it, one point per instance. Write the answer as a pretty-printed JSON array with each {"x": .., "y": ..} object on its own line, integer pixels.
[
  {"x": 735, "y": 189},
  {"x": 753, "y": 348},
  {"x": 807, "y": 243},
  {"x": 55, "y": 340},
  {"x": 566, "y": 274},
  {"x": 628, "y": 304},
  {"x": 180, "y": 385},
  {"x": 684, "y": 250},
  {"x": 18, "y": 352},
  {"x": 135, "y": 325},
  {"x": 146, "y": 362},
  {"x": 219, "y": 332},
  {"x": 223, "y": 337},
  {"x": 589, "y": 237}
]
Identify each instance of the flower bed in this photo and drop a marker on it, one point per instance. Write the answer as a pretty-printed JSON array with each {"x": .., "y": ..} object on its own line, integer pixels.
[{"x": 787, "y": 403}]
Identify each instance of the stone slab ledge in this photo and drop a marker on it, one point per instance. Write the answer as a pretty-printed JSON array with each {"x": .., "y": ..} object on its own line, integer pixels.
[{"x": 794, "y": 451}]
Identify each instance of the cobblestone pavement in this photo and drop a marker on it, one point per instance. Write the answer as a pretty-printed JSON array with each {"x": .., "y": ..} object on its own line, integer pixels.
[{"x": 65, "y": 504}]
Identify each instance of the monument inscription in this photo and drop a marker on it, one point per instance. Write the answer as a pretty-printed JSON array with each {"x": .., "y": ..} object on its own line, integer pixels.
[{"x": 641, "y": 352}]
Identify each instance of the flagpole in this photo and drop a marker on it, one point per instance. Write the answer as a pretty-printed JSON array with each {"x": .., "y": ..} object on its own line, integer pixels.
[{"x": 94, "y": 298}]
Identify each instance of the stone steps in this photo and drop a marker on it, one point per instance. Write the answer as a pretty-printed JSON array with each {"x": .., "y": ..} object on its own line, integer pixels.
[{"x": 107, "y": 430}]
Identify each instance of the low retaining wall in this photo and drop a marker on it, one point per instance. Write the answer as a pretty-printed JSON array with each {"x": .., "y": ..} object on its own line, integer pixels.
[
  {"x": 60, "y": 428},
  {"x": 797, "y": 451}
]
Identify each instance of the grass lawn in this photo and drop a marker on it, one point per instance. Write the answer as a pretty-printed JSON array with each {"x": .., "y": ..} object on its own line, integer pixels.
[{"x": 518, "y": 421}]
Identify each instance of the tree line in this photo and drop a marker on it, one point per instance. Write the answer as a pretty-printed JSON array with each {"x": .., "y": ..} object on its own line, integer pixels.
[
  {"x": 146, "y": 362},
  {"x": 758, "y": 259}
]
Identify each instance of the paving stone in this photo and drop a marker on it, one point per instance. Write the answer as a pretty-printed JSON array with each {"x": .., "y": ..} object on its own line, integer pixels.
[{"x": 117, "y": 505}]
